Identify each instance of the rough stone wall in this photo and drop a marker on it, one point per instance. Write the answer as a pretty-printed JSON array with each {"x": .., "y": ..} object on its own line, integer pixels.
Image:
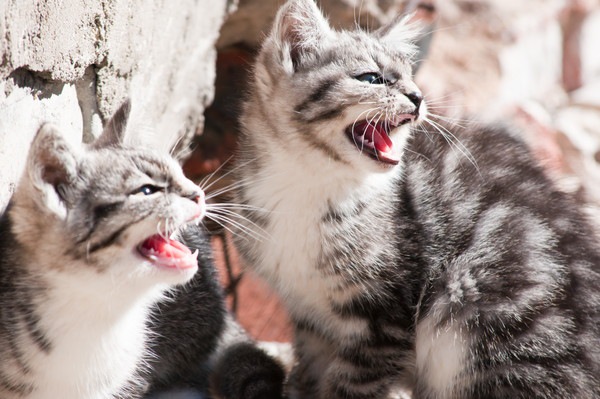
[{"x": 72, "y": 62}]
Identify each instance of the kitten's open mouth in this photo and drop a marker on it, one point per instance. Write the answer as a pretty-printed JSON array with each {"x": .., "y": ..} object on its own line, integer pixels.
[
  {"x": 373, "y": 139},
  {"x": 167, "y": 253}
]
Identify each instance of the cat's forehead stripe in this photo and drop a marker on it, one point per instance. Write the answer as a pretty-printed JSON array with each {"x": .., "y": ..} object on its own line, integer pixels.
[
  {"x": 323, "y": 89},
  {"x": 350, "y": 56},
  {"x": 126, "y": 174},
  {"x": 154, "y": 167},
  {"x": 323, "y": 60}
]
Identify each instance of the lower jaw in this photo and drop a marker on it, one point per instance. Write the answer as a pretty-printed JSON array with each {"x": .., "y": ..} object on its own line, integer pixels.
[
  {"x": 167, "y": 267},
  {"x": 385, "y": 161},
  {"x": 381, "y": 159},
  {"x": 174, "y": 268}
]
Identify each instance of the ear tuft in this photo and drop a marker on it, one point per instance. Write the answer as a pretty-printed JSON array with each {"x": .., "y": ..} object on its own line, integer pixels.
[
  {"x": 53, "y": 156},
  {"x": 52, "y": 167},
  {"x": 115, "y": 129},
  {"x": 300, "y": 27},
  {"x": 401, "y": 34}
]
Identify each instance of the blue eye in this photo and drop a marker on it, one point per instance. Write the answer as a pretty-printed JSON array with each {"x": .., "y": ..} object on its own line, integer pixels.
[
  {"x": 371, "y": 78},
  {"x": 147, "y": 189}
]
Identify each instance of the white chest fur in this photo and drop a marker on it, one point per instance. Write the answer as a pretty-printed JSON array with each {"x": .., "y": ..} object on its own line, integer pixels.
[
  {"x": 296, "y": 199},
  {"x": 290, "y": 250},
  {"x": 96, "y": 343}
]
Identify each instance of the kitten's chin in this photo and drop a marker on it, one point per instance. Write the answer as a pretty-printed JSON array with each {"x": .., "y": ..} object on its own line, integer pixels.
[
  {"x": 372, "y": 139},
  {"x": 169, "y": 254}
]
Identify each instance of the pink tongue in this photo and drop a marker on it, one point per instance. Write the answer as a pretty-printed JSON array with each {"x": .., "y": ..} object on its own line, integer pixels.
[
  {"x": 167, "y": 252},
  {"x": 166, "y": 247},
  {"x": 380, "y": 139}
]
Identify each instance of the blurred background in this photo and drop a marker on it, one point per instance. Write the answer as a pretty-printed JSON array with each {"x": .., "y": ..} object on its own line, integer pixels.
[{"x": 534, "y": 64}]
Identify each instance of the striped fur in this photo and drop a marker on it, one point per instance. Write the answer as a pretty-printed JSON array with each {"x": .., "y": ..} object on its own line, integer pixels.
[
  {"x": 82, "y": 316},
  {"x": 459, "y": 273},
  {"x": 75, "y": 296}
]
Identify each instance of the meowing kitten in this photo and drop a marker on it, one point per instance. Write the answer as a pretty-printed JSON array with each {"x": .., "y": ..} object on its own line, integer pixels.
[
  {"x": 453, "y": 268},
  {"x": 82, "y": 264},
  {"x": 82, "y": 270}
]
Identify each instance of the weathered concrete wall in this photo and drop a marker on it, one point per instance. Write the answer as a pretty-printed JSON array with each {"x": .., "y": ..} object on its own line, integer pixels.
[{"x": 72, "y": 62}]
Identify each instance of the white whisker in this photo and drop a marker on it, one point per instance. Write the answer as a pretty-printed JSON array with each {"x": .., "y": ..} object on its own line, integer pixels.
[
  {"x": 224, "y": 190},
  {"x": 231, "y": 214},
  {"x": 234, "y": 214},
  {"x": 183, "y": 152},
  {"x": 454, "y": 141},
  {"x": 234, "y": 206},
  {"x": 453, "y": 121},
  {"x": 231, "y": 187},
  {"x": 224, "y": 225},
  {"x": 373, "y": 137},
  {"x": 225, "y": 174},
  {"x": 368, "y": 111},
  {"x": 208, "y": 177},
  {"x": 237, "y": 225}
]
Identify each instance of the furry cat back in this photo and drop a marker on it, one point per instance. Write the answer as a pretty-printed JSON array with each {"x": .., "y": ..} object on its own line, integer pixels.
[
  {"x": 418, "y": 256},
  {"x": 85, "y": 253}
]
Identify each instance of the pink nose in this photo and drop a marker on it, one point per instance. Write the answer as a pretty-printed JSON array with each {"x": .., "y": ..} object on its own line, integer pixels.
[{"x": 198, "y": 197}]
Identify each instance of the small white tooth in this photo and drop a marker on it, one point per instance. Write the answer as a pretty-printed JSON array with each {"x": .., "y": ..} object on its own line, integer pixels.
[
  {"x": 195, "y": 254},
  {"x": 173, "y": 234}
]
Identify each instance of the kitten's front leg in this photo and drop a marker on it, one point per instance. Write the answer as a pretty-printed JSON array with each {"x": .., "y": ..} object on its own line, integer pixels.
[
  {"x": 312, "y": 355},
  {"x": 364, "y": 369}
]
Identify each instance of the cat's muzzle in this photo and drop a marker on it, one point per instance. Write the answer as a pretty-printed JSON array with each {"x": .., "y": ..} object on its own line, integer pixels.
[{"x": 373, "y": 138}]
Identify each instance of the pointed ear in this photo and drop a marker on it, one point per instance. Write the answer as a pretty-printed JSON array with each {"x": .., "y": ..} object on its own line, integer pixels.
[
  {"x": 299, "y": 28},
  {"x": 52, "y": 168},
  {"x": 401, "y": 34},
  {"x": 114, "y": 131}
]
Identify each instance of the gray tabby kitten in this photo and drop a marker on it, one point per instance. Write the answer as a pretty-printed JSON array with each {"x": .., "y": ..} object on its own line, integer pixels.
[
  {"x": 83, "y": 262},
  {"x": 405, "y": 260},
  {"x": 88, "y": 249}
]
